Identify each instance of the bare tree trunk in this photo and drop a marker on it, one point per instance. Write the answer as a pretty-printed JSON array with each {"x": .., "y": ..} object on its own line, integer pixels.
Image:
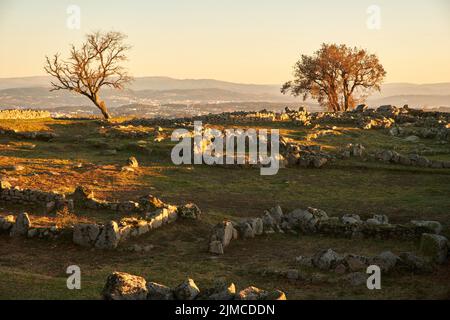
[{"x": 102, "y": 106}]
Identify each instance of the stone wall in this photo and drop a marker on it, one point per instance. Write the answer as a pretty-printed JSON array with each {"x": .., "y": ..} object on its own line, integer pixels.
[
  {"x": 152, "y": 211},
  {"x": 416, "y": 160},
  {"x": 23, "y": 114},
  {"x": 316, "y": 221},
  {"x": 49, "y": 200}
]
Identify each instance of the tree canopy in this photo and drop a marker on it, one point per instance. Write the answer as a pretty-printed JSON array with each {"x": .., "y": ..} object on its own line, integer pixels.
[{"x": 337, "y": 76}]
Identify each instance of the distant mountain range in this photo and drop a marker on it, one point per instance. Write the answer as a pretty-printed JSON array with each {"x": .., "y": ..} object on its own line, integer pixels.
[{"x": 34, "y": 92}]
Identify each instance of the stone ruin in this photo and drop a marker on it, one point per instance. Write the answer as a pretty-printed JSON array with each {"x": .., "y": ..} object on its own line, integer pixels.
[
  {"x": 384, "y": 117},
  {"x": 51, "y": 201},
  {"x": 317, "y": 222},
  {"x": 391, "y": 156},
  {"x": 124, "y": 286},
  {"x": 152, "y": 211},
  {"x": 297, "y": 155}
]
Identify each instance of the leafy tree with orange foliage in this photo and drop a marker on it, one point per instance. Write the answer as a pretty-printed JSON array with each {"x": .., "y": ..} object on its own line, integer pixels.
[{"x": 337, "y": 76}]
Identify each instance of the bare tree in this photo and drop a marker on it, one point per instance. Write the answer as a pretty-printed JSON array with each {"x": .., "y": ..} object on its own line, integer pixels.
[
  {"x": 339, "y": 77},
  {"x": 95, "y": 65}
]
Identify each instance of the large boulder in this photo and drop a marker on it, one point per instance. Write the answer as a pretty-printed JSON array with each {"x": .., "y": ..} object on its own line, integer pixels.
[
  {"x": 435, "y": 247},
  {"x": 85, "y": 234},
  {"x": 187, "y": 290},
  {"x": 158, "y": 291},
  {"x": 109, "y": 236},
  {"x": 124, "y": 286},
  {"x": 21, "y": 226}
]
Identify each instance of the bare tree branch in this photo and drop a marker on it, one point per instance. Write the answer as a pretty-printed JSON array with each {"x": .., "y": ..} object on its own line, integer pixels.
[{"x": 95, "y": 65}]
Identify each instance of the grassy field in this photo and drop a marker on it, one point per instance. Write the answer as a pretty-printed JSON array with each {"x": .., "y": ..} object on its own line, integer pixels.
[{"x": 31, "y": 269}]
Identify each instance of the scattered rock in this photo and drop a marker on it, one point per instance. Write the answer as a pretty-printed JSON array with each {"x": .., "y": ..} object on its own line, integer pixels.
[
  {"x": 356, "y": 279},
  {"x": 386, "y": 260},
  {"x": 326, "y": 259},
  {"x": 187, "y": 290},
  {"x": 435, "y": 247},
  {"x": 124, "y": 286},
  {"x": 189, "y": 211},
  {"x": 158, "y": 291}
]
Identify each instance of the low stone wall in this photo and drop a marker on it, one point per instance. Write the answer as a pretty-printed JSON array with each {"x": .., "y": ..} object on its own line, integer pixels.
[
  {"x": 124, "y": 286},
  {"x": 154, "y": 212},
  {"x": 101, "y": 236},
  {"x": 297, "y": 155},
  {"x": 433, "y": 248},
  {"x": 391, "y": 156},
  {"x": 23, "y": 114},
  {"x": 109, "y": 235},
  {"x": 51, "y": 201},
  {"x": 21, "y": 226},
  {"x": 316, "y": 221}
]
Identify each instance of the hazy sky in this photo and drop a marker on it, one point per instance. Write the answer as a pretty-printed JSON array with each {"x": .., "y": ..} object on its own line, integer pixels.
[{"x": 254, "y": 41}]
